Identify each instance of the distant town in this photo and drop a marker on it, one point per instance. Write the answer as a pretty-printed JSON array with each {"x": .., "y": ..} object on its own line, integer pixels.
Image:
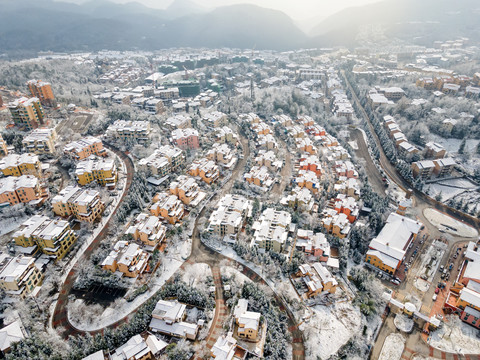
[{"x": 241, "y": 204}]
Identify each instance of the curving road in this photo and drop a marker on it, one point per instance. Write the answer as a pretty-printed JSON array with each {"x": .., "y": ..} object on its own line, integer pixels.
[{"x": 200, "y": 253}]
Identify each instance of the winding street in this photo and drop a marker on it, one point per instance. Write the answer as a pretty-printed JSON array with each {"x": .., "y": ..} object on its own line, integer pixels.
[
  {"x": 415, "y": 343},
  {"x": 200, "y": 254}
]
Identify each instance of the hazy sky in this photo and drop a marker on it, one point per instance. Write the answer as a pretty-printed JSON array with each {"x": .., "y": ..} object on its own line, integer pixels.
[{"x": 297, "y": 9}]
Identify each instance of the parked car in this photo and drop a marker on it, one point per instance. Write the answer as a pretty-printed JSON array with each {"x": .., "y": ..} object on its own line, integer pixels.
[
  {"x": 434, "y": 298},
  {"x": 441, "y": 268},
  {"x": 437, "y": 290}
]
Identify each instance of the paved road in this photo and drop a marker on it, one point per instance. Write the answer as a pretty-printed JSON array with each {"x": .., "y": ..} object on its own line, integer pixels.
[
  {"x": 59, "y": 318},
  {"x": 200, "y": 254}
]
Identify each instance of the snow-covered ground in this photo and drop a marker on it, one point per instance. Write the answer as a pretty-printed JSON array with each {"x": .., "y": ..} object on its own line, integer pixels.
[
  {"x": 440, "y": 220},
  {"x": 452, "y": 145},
  {"x": 11, "y": 224},
  {"x": 392, "y": 347},
  {"x": 230, "y": 271},
  {"x": 455, "y": 336},
  {"x": 121, "y": 307},
  {"x": 422, "y": 357},
  {"x": 196, "y": 274},
  {"x": 403, "y": 323},
  {"x": 329, "y": 328},
  {"x": 428, "y": 267}
]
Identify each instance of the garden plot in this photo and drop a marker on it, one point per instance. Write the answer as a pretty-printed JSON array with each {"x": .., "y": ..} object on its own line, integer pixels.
[
  {"x": 449, "y": 224},
  {"x": 330, "y": 326},
  {"x": 403, "y": 323},
  {"x": 392, "y": 347},
  {"x": 430, "y": 262},
  {"x": 455, "y": 336}
]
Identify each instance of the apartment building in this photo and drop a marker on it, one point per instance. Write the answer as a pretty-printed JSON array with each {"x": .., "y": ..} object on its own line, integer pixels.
[
  {"x": 306, "y": 146},
  {"x": 3, "y": 147},
  {"x": 316, "y": 279},
  {"x": 259, "y": 176},
  {"x": 206, "y": 169},
  {"x": 175, "y": 156},
  {"x": 387, "y": 251},
  {"x": 284, "y": 120},
  {"x": 444, "y": 167},
  {"x": 227, "y": 220},
  {"x": 225, "y": 135},
  {"x": 40, "y": 141},
  {"x": 130, "y": 130},
  {"x": 103, "y": 171},
  {"x": 22, "y": 189},
  {"x": 19, "y": 275},
  {"x": 223, "y": 155},
  {"x": 271, "y": 230},
  {"x": 84, "y": 148},
  {"x": 347, "y": 205},
  {"x": 127, "y": 259},
  {"x": 43, "y": 91},
  {"x": 147, "y": 229},
  {"x": 307, "y": 179},
  {"x": 299, "y": 198},
  {"x": 27, "y": 113},
  {"x": 336, "y": 223},
  {"x": 154, "y": 106},
  {"x": 187, "y": 190},
  {"x": 311, "y": 163},
  {"x": 136, "y": 348},
  {"x": 84, "y": 205},
  {"x": 423, "y": 169},
  {"x": 215, "y": 119},
  {"x": 226, "y": 348},
  {"x": 53, "y": 237},
  {"x": 156, "y": 164},
  {"x": 269, "y": 160},
  {"x": 168, "y": 207},
  {"x": 267, "y": 142},
  {"x": 169, "y": 318},
  {"x": 186, "y": 138},
  {"x": 248, "y": 322},
  {"x": 18, "y": 165},
  {"x": 435, "y": 151},
  {"x": 313, "y": 244},
  {"x": 179, "y": 121}
]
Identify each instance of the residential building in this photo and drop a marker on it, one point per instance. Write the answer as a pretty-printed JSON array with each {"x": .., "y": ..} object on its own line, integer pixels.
[
  {"x": 312, "y": 244},
  {"x": 299, "y": 199},
  {"x": 311, "y": 163},
  {"x": 271, "y": 230},
  {"x": 3, "y": 147},
  {"x": 156, "y": 164},
  {"x": 450, "y": 89},
  {"x": 387, "y": 251},
  {"x": 27, "y": 113},
  {"x": 307, "y": 179},
  {"x": 206, "y": 169},
  {"x": 43, "y": 91},
  {"x": 167, "y": 207},
  {"x": 22, "y": 189},
  {"x": 268, "y": 159},
  {"x": 18, "y": 165},
  {"x": 84, "y": 148},
  {"x": 53, "y": 237},
  {"x": 423, "y": 169},
  {"x": 168, "y": 318},
  {"x": 103, "y": 171},
  {"x": 19, "y": 275},
  {"x": 248, "y": 322},
  {"x": 227, "y": 220},
  {"x": 259, "y": 176},
  {"x": 267, "y": 142},
  {"x": 175, "y": 156},
  {"x": 347, "y": 205},
  {"x": 434, "y": 151},
  {"x": 179, "y": 121},
  {"x": 126, "y": 258},
  {"x": 9, "y": 335},
  {"x": 154, "y": 106},
  {"x": 317, "y": 279},
  {"x": 223, "y": 155},
  {"x": 225, "y": 135},
  {"x": 215, "y": 119},
  {"x": 444, "y": 167},
  {"x": 138, "y": 348},
  {"x": 84, "y": 205},
  {"x": 130, "y": 130},
  {"x": 186, "y": 138},
  {"x": 40, "y": 141},
  {"x": 226, "y": 348},
  {"x": 336, "y": 223},
  {"x": 147, "y": 229},
  {"x": 187, "y": 190}
]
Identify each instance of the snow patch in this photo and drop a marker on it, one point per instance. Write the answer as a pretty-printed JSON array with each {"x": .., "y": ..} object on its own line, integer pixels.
[
  {"x": 455, "y": 336},
  {"x": 440, "y": 220},
  {"x": 392, "y": 347}
]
